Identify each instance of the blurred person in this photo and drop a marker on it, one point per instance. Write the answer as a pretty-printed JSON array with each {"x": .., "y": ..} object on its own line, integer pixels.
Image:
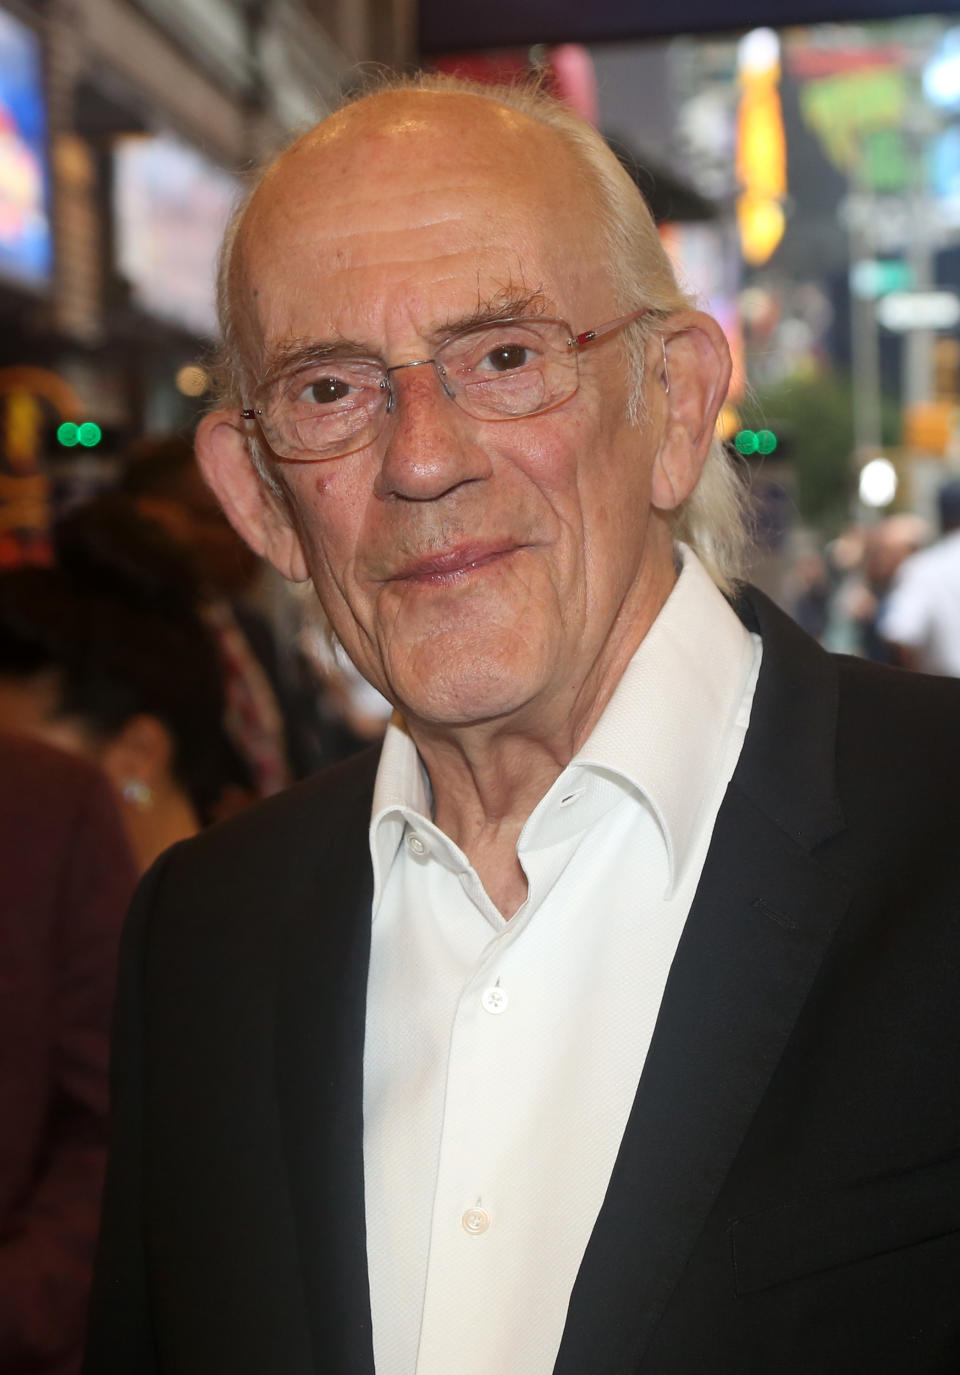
[
  {"x": 350, "y": 704},
  {"x": 105, "y": 655},
  {"x": 858, "y": 601},
  {"x": 605, "y": 1020},
  {"x": 920, "y": 621},
  {"x": 807, "y": 592},
  {"x": 160, "y": 475},
  {"x": 273, "y": 711},
  {"x": 66, "y": 876}
]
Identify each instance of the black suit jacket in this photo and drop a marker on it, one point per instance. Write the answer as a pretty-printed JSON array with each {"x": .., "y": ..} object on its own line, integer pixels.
[{"x": 787, "y": 1194}]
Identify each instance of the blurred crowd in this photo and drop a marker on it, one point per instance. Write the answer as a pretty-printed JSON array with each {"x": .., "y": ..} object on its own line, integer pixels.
[
  {"x": 152, "y": 681},
  {"x": 888, "y": 591}
]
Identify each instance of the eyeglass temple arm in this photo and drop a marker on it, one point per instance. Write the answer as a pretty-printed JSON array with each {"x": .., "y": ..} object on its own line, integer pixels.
[{"x": 589, "y": 335}]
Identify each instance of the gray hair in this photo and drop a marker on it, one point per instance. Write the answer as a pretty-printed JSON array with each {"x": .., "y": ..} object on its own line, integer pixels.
[{"x": 712, "y": 520}]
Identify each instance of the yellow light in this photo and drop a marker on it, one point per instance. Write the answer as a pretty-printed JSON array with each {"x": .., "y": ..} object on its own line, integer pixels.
[
  {"x": 761, "y": 142},
  {"x": 761, "y": 223},
  {"x": 728, "y": 423},
  {"x": 761, "y": 148},
  {"x": 21, "y": 430},
  {"x": 192, "y": 380}
]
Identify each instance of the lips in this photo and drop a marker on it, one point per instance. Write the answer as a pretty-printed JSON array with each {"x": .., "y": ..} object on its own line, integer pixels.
[{"x": 450, "y": 563}]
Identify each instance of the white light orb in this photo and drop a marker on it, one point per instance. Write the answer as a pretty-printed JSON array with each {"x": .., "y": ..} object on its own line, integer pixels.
[
  {"x": 758, "y": 51},
  {"x": 878, "y": 483}
]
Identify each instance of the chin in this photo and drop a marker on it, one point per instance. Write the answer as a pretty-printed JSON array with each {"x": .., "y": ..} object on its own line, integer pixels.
[{"x": 451, "y": 687}]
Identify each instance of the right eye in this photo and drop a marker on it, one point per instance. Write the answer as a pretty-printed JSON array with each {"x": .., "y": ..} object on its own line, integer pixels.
[{"x": 324, "y": 390}]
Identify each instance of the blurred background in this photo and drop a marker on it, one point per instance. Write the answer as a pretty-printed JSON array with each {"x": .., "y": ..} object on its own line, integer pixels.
[{"x": 805, "y": 175}]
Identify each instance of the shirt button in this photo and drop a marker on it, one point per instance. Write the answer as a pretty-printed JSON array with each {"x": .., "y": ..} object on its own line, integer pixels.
[
  {"x": 494, "y": 1000},
  {"x": 417, "y": 845},
  {"x": 475, "y": 1221}
]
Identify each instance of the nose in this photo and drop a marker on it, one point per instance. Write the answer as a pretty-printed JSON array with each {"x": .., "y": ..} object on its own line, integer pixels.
[{"x": 430, "y": 448}]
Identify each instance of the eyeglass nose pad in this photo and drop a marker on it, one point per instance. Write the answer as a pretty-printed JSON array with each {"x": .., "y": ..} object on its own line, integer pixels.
[
  {"x": 444, "y": 381},
  {"x": 391, "y": 398}
]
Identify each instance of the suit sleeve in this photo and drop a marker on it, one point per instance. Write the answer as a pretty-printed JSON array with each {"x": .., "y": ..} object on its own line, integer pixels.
[
  {"x": 46, "y": 1247},
  {"x": 120, "y": 1338}
]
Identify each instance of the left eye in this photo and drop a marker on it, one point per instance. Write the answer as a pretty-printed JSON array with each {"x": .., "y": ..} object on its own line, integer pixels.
[
  {"x": 325, "y": 390},
  {"x": 506, "y": 357}
]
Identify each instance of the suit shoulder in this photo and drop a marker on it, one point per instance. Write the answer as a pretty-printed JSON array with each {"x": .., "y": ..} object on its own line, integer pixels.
[
  {"x": 898, "y": 745},
  {"x": 324, "y": 815},
  {"x": 921, "y": 705}
]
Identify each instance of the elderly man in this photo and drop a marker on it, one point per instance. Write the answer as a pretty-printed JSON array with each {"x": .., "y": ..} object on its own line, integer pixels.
[{"x": 604, "y": 1023}]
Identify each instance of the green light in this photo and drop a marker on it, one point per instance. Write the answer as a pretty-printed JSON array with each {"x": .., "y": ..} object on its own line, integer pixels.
[
  {"x": 68, "y": 434},
  {"x": 766, "y": 441},
  {"x": 89, "y": 434},
  {"x": 746, "y": 442}
]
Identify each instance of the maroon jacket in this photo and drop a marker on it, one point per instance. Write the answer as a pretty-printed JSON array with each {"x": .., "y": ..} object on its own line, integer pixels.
[{"x": 66, "y": 875}]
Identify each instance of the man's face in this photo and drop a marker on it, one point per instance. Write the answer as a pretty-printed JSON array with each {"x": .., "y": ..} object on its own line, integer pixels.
[{"x": 473, "y": 570}]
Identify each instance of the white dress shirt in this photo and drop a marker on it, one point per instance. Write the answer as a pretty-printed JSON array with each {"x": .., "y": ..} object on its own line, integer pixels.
[{"x": 502, "y": 1057}]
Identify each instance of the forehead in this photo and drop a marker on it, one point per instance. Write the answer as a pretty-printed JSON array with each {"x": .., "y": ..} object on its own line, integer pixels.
[{"x": 405, "y": 210}]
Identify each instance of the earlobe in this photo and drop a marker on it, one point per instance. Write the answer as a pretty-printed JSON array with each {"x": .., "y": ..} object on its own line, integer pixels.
[
  {"x": 251, "y": 508},
  {"x": 695, "y": 374}
]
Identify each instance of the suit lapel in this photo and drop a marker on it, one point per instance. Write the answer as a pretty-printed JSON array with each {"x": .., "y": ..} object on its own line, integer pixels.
[
  {"x": 764, "y": 913},
  {"x": 320, "y": 1034}
]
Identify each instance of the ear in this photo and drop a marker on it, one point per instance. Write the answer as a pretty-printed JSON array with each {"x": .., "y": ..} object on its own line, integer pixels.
[
  {"x": 252, "y": 509},
  {"x": 695, "y": 384}
]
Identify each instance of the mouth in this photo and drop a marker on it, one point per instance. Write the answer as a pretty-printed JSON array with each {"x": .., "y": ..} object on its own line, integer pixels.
[{"x": 452, "y": 563}]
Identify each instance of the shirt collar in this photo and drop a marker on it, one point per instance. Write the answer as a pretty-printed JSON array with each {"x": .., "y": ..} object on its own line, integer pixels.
[
  {"x": 660, "y": 735},
  {"x": 401, "y": 793},
  {"x": 665, "y": 727}
]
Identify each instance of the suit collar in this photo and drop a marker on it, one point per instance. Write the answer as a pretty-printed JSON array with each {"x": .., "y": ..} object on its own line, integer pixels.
[
  {"x": 764, "y": 913},
  {"x": 786, "y": 767}
]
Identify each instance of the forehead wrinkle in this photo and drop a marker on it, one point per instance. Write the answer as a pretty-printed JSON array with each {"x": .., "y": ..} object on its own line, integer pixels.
[
  {"x": 356, "y": 248},
  {"x": 359, "y": 237},
  {"x": 494, "y": 295},
  {"x": 344, "y": 164}
]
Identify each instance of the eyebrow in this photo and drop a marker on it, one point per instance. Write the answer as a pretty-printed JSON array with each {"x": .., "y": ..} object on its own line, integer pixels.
[
  {"x": 505, "y": 305},
  {"x": 288, "y": 359}
]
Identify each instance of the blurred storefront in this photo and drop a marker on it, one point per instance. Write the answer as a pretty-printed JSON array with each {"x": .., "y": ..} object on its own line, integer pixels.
[{"x": 126, "y": 129}]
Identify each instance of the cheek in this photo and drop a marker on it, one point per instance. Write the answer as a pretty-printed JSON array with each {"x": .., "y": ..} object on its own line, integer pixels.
[
  {"x": 593, "y": 474},
  {"x": 327, "y": 508},
  {"x": 615, "y": 494},
  {"x": 550, "y": 456}
]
